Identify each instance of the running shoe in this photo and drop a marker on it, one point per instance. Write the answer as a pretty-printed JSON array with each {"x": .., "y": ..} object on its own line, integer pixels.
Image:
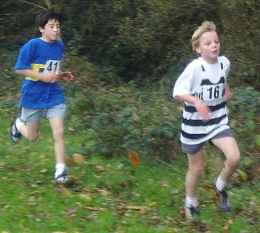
[
  {"x": 15, "y": 134},
  {"x": 222, "y": 198},
  {"x": 63, "y": 179},
  {"x": 190, "y": 212}
]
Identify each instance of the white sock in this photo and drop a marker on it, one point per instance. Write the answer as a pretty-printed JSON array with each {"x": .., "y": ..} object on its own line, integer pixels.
[
  {"x": 220, "y": 184},
  {"x": 60, "y": 167},
  {"x": 191, "y": 201},
  {"x": 19, "y": 123}
]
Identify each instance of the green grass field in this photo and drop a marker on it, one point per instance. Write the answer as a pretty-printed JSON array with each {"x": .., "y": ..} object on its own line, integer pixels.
[{"x": 109, "y": 194}]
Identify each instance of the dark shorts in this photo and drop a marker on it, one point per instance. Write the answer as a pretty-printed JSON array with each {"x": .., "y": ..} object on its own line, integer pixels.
[{"x": 192, "y": 149}]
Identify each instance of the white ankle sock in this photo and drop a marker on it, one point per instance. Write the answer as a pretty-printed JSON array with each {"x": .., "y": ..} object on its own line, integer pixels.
[
  {"x": 19, "y": 123},
  {"x": 60, "y": 167},
  {"x": 220, "y": 184},
  {"x": 191, "y": 201}
]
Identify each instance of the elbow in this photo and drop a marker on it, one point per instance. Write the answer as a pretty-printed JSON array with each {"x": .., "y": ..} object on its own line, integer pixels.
[{"x": 17, "y": 71}]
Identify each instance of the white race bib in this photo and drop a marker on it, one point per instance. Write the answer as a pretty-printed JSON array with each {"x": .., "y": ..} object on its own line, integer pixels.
[{"x": 52, "y": 65}]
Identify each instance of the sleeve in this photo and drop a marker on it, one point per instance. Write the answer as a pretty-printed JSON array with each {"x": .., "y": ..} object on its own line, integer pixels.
[
  {"x": 24, "y": 58},
  {"x": 228, "y": 68},
  {"x": 226, "y": 63},
  {"x": 183, "y": 83}
]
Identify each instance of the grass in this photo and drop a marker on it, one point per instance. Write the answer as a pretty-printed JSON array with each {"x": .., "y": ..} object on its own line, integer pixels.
[{"x": 110, "y": 194}]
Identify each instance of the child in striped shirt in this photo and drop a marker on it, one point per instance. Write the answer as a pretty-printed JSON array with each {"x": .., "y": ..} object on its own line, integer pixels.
[{"x": 202, "y": 86}]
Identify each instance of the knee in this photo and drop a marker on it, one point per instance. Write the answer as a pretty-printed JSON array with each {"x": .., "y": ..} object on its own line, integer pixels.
[
  {"x": 58, "y": 134},
  {"x": 234, "y": 160},
  {"x": 196, "y": 170}
]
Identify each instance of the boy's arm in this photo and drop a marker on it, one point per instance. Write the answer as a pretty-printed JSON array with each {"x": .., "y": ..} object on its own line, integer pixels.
[
  {"x": 201, "y": 108},
  {"x": 228, "y": 94},
  {"x": 49, "y": 77}
]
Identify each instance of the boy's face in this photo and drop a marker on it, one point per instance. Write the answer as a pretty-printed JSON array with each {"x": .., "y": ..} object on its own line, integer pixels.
[
  {"x": 209, "y": 46},
  {"x": 51, "y": 31}
]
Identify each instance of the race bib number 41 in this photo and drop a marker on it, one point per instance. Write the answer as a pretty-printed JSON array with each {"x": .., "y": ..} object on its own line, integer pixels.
[{"x": 52, "y": 65}]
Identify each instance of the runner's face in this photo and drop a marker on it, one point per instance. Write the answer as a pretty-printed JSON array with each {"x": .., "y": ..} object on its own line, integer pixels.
[
  {"x": 51, "y": 31},
  {"x": 209, "y": 46}
]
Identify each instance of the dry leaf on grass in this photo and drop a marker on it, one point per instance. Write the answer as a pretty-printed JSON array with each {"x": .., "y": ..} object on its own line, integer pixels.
[
  {"x": 71, "y": 212},
  {"x": 69, "y": 161},
  {"x": 126, "y": 184},
  {"x": 63, "y": 190},
  {"x": 134, "y": 158},
  {"x": 99, "y": 168},
  {"x": 86, "y": 197},
  {"x": 79, "y": 159},
  {"x": 91, "y": 208}
]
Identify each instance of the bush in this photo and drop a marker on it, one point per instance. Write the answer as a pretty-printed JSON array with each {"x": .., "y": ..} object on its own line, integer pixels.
[{"x": 128, "y": 118}]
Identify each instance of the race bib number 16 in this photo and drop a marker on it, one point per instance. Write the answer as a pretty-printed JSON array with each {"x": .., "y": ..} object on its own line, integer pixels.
[{"x": 211, "y": 92}]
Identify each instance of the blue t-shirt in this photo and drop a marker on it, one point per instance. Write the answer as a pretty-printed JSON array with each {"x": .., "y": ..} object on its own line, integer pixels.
[{"x": 40, "y": 56}]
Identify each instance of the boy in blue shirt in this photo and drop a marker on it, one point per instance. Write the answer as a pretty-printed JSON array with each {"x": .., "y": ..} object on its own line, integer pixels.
[{"x": 41, "y": 97}]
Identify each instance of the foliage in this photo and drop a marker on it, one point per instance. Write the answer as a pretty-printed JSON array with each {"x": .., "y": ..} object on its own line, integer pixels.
[
  {"x": 131, "y": 41},
  {"x": 142, "y": 40},
  {"x": 125, "y": 118},
  {"x": 105, "y": 122},
  {"x": 109, "y": 194},
  {"x": 122, "y": 117},
  {"x": 241, "y": 18},
  {"x": 244, "y": 113}
]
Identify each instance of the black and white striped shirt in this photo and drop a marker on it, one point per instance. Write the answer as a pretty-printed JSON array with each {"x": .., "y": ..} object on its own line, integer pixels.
[{"x": 207, "y": 82}]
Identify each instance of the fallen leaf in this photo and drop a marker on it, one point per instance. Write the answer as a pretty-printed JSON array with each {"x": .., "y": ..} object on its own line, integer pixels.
[
  {"x": 71, "y": 129},
  {"x": 104, "y": 193},
  {"x": 243, "y": 175},
  {"x": 135, "y": 116},
  {"x": 152, "y": 203},
  {"x": 69, "y": 161},
  {"x": 36, "y": 192},
  {"x": 71, "y": 212},
  {"x": 99, "y": 168},
  {"x": 77, "y": 188},
  {"x": 32, "y": 201},
  {"x": 226, "y": 228},
  {"x": 165, "y": 184},
  {"x": 126, "y": 184},
  {"x": 93, "y": 208},
  {"x": 134, "y": 207},
  {"x": 170, "y": 218},
  {"x": 134, "y": 158},
  {"x": 86, "y": 197},
  {"x": 88, "y": 190},
  {"x": 79, "y": 159},
  {"x": 43, "y": 171},
  {"x": 23, "y": 166},
  {"x": 63, "y": 190}
]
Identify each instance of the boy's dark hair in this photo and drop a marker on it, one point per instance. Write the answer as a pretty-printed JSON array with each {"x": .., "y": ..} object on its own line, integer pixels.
[{"x": 43, "y": 18}]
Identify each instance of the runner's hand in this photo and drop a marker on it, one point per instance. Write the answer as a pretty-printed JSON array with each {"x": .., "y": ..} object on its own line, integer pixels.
[
  {"x": 66, "y": 76},
  {"x": 203, "y": 110},
  {"x": 49, "y": 77}
]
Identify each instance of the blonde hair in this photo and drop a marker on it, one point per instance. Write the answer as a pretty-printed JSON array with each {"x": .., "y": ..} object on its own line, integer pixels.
[{"x": 206, "y": 26}]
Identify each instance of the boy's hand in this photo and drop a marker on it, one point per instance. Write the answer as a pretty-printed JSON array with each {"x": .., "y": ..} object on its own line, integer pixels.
[
  {"x": 66, "y": 76},
  {"x": 203, "y": 110},
  {"x": 49, "y": 77}
]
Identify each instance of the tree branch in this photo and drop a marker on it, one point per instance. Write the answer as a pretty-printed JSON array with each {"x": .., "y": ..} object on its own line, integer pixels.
[{"x": 33, "y": 4}]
